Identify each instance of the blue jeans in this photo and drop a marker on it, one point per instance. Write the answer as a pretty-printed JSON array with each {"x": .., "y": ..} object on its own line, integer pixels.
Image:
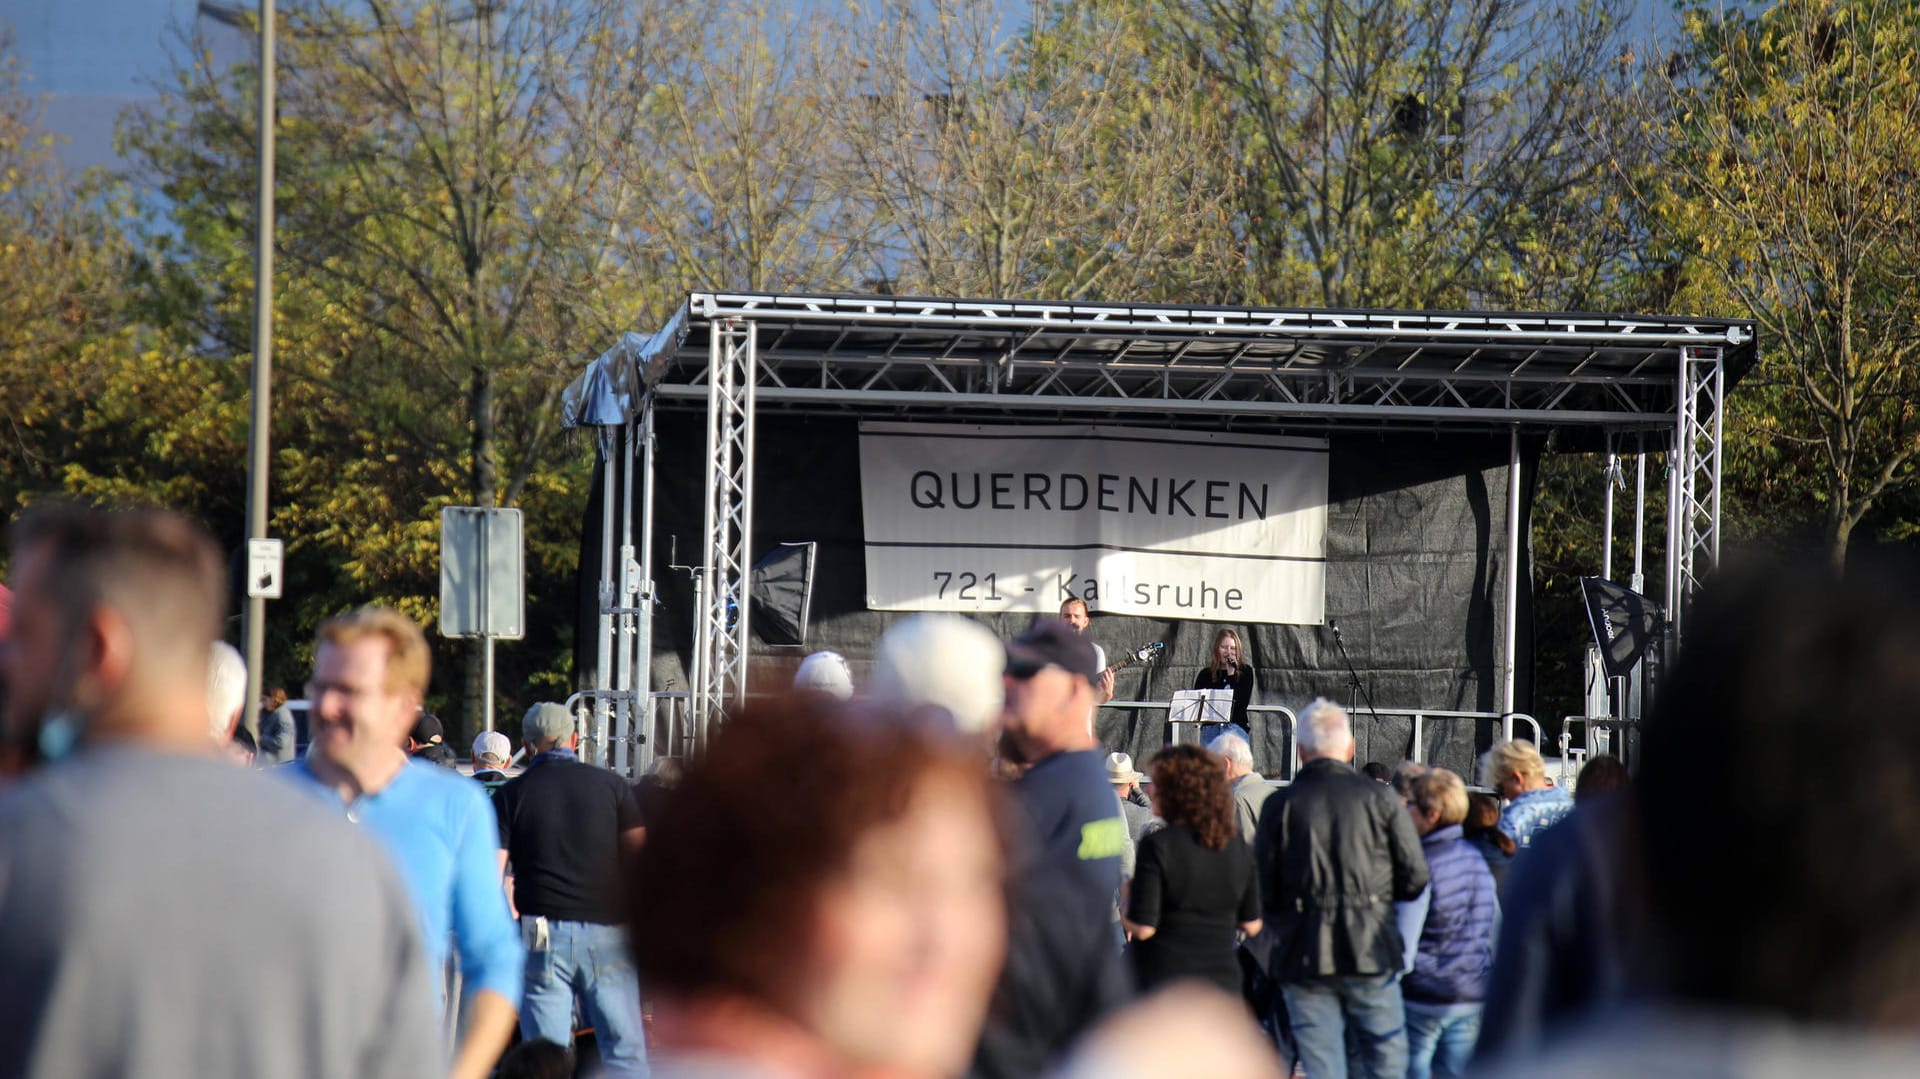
[
  {"x": 588, "y": 961},
  {"x": 1348, "y": 1026},
  {"x": 1440, "y": 1039}
]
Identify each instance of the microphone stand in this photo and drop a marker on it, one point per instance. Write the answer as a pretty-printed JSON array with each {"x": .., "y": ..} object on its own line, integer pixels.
[{"x": 1354, "y": 684}]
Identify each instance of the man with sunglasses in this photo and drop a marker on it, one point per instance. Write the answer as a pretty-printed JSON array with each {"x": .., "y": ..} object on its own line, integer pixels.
[{"x": 1063, "y": 968}]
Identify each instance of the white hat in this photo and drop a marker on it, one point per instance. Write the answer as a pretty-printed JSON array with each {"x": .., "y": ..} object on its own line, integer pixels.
[
  {"x": 493, "y": 746},
  {"x": 1120, "y": 769},
  {"x": 826, "y": 672},
  {"x": 946, "y": 661}
]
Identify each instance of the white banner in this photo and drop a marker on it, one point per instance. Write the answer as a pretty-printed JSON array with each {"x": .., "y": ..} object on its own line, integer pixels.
[{"x": 1215, "y": 526}]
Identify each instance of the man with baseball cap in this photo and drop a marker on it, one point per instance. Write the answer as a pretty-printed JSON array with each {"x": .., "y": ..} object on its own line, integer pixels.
[
  {"x": 491, "y": 752},
  {"x": 428, "y": 740},
  {"x": 1063, "y": 968},
  {"x": 565, "y": 827}
]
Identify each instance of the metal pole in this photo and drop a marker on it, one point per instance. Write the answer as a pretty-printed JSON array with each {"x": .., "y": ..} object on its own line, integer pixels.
[
  {"x": 623, "y": 673},
  {"x": 745, "y": 541},
  {"x": 486, "y": 619},
  {"x": 1513, "y": 570},
  {"x": 1606, "y": 543},
  {"x": 258, "y": 444},
  {"x": 643, "y": 646},
  {"x": 609, "y": 597},
  {"x": 1639, "y": 580}
]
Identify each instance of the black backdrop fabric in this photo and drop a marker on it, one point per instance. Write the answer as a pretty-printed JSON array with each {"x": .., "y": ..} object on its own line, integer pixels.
[{"x": 1416, "y": 553}]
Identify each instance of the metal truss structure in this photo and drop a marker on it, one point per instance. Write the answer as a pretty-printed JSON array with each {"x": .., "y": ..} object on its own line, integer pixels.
[
  {"x": 1592, "y": 380},
  {"x": 720, "y": 639}
]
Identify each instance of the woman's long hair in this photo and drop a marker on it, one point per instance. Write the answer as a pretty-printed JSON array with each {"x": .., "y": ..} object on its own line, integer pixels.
[
  {"x": 1213, "y": 650},
  {"x": 1190, "y": 788}
]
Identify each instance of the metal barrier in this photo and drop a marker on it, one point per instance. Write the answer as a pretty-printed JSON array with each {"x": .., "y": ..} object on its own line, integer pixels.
[
  {"x": 1596, "y": 738},
  {"x": 1292, "y": 721},
  {"x": 1422, "y": 715},
  {"x": 662, "y": 726},
  {"x": 1419, "y": 716}
]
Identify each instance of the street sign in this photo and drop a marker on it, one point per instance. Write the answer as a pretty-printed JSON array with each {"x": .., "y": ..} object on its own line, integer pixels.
[
  {"x": 482, "y": 583},
  {"x": 263, "y": 568}
]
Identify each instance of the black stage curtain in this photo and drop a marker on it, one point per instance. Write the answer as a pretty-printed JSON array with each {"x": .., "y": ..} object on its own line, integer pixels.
[{"x": 1416, "y": 553}]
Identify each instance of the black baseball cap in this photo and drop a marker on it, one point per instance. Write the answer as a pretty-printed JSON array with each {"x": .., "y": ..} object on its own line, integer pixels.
[
  {"x": 1049, "y": 642},
  {"x": 427, "y": 730}
]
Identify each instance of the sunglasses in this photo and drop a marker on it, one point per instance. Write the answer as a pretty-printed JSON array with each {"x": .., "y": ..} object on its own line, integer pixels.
[{"x": 1022, "y": 669}]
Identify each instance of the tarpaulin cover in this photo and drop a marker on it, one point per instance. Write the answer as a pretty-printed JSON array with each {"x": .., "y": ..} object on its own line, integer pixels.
[{"x": 1416, "y": 538}]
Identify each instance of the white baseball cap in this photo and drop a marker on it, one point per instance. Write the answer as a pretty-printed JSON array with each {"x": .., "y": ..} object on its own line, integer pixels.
[
  {"x": 492, "y": 746},
  {"x": 945, "y": 661},
  {"x": 826, "y": 672}
]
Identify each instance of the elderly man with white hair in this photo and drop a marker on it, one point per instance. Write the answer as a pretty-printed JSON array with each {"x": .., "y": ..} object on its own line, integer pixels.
[
  {"x": 1250, "y": 788},
  {"x": 1334, "y": 851},
  {"x": 227, "y": 699}
]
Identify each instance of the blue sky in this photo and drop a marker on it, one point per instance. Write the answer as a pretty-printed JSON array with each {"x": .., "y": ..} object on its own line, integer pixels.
[{"x": 92, "y": 58}]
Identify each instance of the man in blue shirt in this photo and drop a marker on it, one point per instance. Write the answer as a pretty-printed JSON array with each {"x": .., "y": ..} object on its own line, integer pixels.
[{"x": 369, "y": 675}]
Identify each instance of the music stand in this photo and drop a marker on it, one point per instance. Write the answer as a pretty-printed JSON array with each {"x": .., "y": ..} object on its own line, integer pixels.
[{"x": 1192, "y": 709}]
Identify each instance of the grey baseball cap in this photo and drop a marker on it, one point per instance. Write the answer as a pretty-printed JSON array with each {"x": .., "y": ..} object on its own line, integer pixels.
[{"x": 546, "y": 720}]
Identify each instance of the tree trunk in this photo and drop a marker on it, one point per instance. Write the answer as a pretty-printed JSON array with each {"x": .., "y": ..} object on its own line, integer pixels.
[{"x": 1839, "y": 531}]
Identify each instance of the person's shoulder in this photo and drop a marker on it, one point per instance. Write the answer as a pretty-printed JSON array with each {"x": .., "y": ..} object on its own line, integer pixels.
[{"x": 433, "y": 783}]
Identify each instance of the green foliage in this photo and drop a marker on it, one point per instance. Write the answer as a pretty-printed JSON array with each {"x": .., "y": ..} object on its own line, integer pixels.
[
  {"x": 1792, "y": 146},
  {"x": 1419, "y": 153},
  {"x": 474, "y": 200}
]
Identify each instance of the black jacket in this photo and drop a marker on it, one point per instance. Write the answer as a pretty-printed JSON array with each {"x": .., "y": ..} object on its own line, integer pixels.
[{"x": 1334, "y": 851}]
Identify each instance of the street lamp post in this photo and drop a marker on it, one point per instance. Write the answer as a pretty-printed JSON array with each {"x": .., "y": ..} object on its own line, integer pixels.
[{"x": 257, "y": 436}]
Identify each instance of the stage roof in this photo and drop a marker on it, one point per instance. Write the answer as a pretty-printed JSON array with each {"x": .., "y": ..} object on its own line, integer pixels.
[{"x": 1148, "y": 363}]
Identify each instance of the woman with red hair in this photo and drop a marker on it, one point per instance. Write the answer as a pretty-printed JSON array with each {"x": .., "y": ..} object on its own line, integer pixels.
[
  {"x": 1193, "y": 883},
  {"x": 822, "y": 895}
]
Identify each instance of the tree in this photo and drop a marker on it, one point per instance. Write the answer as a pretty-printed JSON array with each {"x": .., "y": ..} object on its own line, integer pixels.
[
  {"x": 1794, "y": 148},
  {"x": 441, "y": 272},
  {"x": 1418, "y": 153},
  {"x": 1066, "y": 162},
  {"x": 732, "y": 185}
]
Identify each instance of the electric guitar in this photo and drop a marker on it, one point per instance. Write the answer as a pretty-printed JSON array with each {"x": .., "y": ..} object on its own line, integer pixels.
[{"x": 1146, "y": 653}]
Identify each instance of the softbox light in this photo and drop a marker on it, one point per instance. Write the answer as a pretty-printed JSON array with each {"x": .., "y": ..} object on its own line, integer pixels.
[
  {"x": 781, "y": 588},
  {"x": 1625, "y": 623}
]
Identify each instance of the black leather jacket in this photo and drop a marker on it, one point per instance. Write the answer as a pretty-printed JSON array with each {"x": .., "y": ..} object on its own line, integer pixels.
[{"x": 1335, "y": 850}]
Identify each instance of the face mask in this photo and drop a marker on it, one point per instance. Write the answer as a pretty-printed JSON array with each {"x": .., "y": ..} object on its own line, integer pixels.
[
  {"x": 60, "y": 727},
  {"x": 59, "y": 733}
]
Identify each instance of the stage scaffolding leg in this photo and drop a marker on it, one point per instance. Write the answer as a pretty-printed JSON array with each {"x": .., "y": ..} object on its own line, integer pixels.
[
  {"x": 645, "y": 749},
  {"x": 1513, "y": 577},
  {"x": 1703, "y": 389},
  {"x": 1606, "y": 538},
  {"x": 614, "y": 753},
  {"x": 721, "y": 643},
  {"x": 603, "y": 675},
  {"x": 1638, "y": 582}
]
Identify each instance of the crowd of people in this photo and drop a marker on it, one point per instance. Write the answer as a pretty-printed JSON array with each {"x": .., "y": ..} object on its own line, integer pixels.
[{"x": 930, "y": 869}]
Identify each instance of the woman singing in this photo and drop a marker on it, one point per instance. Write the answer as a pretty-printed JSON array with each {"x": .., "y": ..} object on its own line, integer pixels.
[{"x": 1225, "y": 671}]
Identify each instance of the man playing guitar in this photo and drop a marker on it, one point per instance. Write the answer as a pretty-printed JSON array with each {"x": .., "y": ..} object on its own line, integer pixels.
[{"x": 1074, "y": 613}]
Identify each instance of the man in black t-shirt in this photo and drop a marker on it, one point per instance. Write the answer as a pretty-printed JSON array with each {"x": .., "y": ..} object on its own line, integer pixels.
[
  {"x": 565, "y": 826},
  {"x": 1063, "y": 968}
]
